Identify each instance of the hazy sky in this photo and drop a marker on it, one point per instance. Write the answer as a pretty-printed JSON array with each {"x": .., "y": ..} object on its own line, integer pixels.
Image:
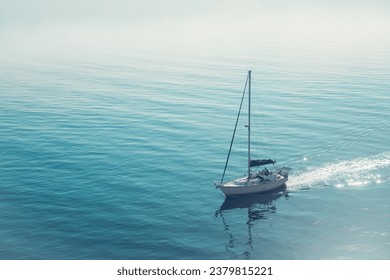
[
  {"x": 200, "y": 24},
  {"x": 82, "y": 9}
]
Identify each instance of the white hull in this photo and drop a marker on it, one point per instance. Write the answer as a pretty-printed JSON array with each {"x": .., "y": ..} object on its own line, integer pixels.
[{"x": 244, "y": 187}]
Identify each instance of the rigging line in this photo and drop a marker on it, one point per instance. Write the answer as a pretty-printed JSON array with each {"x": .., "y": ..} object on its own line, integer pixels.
[
  {"x": 235, "y": 128},
  {"x": 263, "y": 131},
  {"x": 267, "y": 134}
]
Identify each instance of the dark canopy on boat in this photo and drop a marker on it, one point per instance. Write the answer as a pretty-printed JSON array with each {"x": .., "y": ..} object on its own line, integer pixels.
[{"x": 259, "y": 162}]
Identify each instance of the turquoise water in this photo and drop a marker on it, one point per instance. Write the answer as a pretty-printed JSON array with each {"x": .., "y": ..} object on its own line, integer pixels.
[{"x": 112, "y": 154}]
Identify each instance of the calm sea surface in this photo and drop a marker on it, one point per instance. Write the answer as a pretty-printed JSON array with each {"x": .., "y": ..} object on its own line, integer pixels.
[{"x": 113, "y": 155}]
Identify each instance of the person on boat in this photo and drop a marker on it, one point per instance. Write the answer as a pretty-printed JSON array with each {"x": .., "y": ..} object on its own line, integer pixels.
[
  {"x": 265, "y": 171},
  {"x": 260, "y": 177}
]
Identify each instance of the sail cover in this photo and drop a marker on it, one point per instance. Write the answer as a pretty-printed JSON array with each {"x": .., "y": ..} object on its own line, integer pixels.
[{"x": 259, "y": 162}]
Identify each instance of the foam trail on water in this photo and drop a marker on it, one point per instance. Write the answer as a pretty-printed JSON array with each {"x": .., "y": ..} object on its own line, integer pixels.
[{"x": 345, "y": 173}]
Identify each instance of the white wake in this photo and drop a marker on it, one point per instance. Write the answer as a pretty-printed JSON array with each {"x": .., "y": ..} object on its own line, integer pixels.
[{"x": 345, "y": 173}]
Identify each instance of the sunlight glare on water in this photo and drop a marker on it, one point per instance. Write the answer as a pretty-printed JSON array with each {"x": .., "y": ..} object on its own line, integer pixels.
[{"x": 356, "y": 172}]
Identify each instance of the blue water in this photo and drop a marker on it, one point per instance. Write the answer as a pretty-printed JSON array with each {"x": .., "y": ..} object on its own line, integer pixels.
[{"x": 110, "y": 154}]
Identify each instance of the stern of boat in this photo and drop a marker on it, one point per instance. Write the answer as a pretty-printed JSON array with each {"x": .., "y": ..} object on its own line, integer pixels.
[{"x": 283, "y": 172}]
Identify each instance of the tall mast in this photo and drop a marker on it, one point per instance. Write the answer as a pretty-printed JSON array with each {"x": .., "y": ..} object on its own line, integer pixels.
[
  {"x": 234, "y": 132},
  {"x": 249, "y": 124}
]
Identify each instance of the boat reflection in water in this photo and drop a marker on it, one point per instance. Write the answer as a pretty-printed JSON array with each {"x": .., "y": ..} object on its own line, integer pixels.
[{"x": 257, "y": 207}]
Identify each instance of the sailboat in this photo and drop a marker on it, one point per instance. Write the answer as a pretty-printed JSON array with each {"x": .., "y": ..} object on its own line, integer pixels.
[{"x": 258, "y": 181}]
